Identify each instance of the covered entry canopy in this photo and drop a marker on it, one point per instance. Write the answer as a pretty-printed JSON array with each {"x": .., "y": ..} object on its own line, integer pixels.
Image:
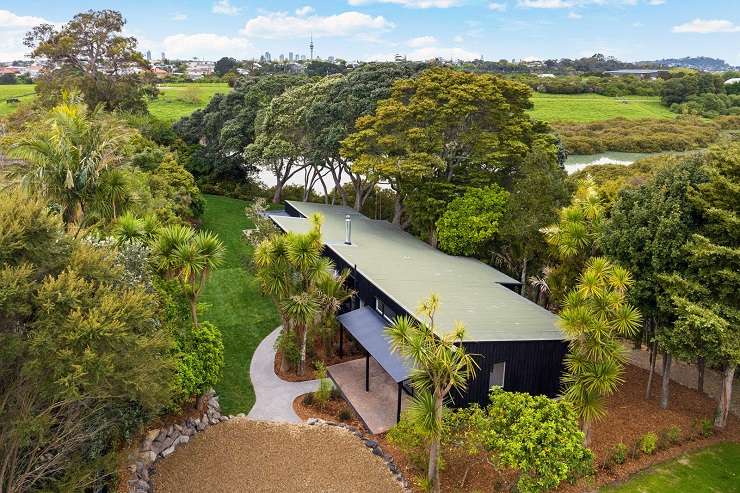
[{"x": 368, "y": 328}]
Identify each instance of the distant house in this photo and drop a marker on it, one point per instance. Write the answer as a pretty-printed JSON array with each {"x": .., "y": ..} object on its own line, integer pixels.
[
  {"x": 517, "y": 343},
  {"x": 637, "y": 72},
  {"x": 10, "y": 71},
  {"x": 197, "y": 69},
  {"x": 546, "y": 76}
]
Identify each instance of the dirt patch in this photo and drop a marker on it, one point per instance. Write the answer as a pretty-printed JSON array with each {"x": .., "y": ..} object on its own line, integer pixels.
[
  {"x": 242, "y": 455},
  {"x": 629, "y": 418},
  {"x": 310, "y": 373},
  {"x": 330, "y": 412}
]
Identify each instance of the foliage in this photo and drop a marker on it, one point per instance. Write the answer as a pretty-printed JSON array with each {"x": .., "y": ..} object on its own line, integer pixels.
[
  {"x": 644, "y": 135},
  {"x": 224, "y": 65},
  {"x": 705, "y": 294},
  {"x": 289, "y": 348},
  {"x": 324, "y": 392},
  {"x": 680, "y": 89},
  {"x": 619, "y": 454},
  {"x": 84, "y": 359},
  {"x": 534, "y": 435},
  {"x": 67, "y": 156},
  {"x": 200, "y": 360},
  {"x": 709, "y": 105},
  {"x": 573, "y": 240},
  {"x": 344, "y": 414},
  {"x": 472, "y": 220},
  {"x": 595, "y": 314},
  {"x": 674, "y": 434},
  {"x": 441, "y": 365},
  {"x": 411, "y": 439},
  {"x": 90, "y": 54},
  {"x": 649, "y": 443}
]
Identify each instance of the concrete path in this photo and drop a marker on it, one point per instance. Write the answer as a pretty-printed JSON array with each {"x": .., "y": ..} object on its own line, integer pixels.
[
  {"x": 274, "y": 395},
  {"x": 685, "y": 374}
]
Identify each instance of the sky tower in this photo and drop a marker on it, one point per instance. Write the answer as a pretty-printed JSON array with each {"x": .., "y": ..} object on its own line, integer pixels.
[{"x": 310, "y": 46}]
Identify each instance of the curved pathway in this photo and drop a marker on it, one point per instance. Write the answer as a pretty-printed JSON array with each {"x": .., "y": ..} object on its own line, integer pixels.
[{"x": 274, "y": 395}]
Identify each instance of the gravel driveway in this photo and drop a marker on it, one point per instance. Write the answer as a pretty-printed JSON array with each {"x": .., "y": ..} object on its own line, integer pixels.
[{"x": 254, "y": 456}]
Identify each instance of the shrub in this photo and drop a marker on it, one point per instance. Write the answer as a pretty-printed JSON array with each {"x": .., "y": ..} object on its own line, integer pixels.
[
  {"x": 200, "y": 359},
  {"x": 619, "y": 454},
  {"x": 410, "y": 439},
  {"x": 288, "y": 347},
  {"x": 324, "y": 392},
  {"x": 674, "y": 434},
  {"x": 704, "y": 427},
  {"x": 648, "y": 443},
  {"x": 336, "y": 394},
  {"x": 308, "y": 399},
  {"x": 344, "y": 414}
]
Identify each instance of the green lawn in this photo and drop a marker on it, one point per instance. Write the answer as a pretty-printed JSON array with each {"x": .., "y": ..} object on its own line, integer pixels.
[
  {"x": 714, "y": 469},
  {"x": 178, "y": 100},
  {"x": 592, "y": 107},
  {"x": 235, "y": 304},
  {"x": 24, "y": 92}
]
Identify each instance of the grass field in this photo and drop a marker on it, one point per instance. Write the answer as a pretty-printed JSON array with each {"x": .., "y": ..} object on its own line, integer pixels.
[
  {"x": 178, "y": 100},
  {"x": 24, "y": 92},
  {"x": 714, "y": 469},
  {"x": 235, "y": 304},
  {"x": 592, "y": 107}
]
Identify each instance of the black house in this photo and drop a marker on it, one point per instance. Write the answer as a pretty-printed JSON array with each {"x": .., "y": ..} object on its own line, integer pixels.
[{"x": 518, "y": 344}]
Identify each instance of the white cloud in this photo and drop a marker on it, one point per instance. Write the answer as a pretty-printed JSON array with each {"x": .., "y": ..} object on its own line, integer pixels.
[
  {"x": 547, "y": 4},
  {"x": 414, "y": 4},
  {"x": 276, "y": 25},
  {"x": 422, "y": 41},
  {"x": 13, "y": 28},
  {"x": 179, "y": 17},
  {"x": 707, "y": 26},
  {"x": 224, "y": 7},
  {"x": 574, "y": 15},
  {"x": 206, "y": 46},
  {"x": 458, "y": 39},
  {"x": 305, "y": 10},
  {"x": 497, "y": 7},
  {"x": 656, "y": 2}
]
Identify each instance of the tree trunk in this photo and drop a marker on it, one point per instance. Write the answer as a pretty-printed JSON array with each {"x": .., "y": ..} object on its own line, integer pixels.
[
  {"x": 433, "y": 469},
  {"x": 397, "y": 210},
  {"x": 666, "y": 386},
  {"x": 304, "y": 340},
  {"x": 725, "y": 396},
  {"x": 700, "y": 365},
  {"x": 523, "y": 278},
  {"x": 278, "y": 192},
  {"x": 433, "y": 236},
  {"x": 651, "y": 373},
  {"x": 194, "y": 311},
  {"x": 587, "y": 429}
]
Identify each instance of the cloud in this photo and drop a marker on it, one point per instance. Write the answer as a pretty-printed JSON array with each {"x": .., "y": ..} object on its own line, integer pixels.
[
  {"x": 224, "y": 7},
  {"x": 458, "y": 39},
  {"x": 546, "y": 4},
  {"x": 206, "y": 46},
  {"x": 179, "y": 17},
  {"x": 574, "y": 15},
  {"x": 413, "y": 4},
  {"x": 707, "y": 26},
  {"x": 277, "y": 25},
  {"x": 656, "y": 2},
  {"x": 421, "y": 41},
  {"x": 305, "y": 10},
  {"x": 497, "y": 7},
  {"x": 13, "y": 28}
]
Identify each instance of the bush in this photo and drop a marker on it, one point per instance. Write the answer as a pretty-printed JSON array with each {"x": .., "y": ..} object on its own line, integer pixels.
[
  {"x": 288, "y": 347},
  {"x": 344, "y": 414},
  {"x": 411, "y": 440},
  {"x": 619, "y": 454},
  {"x": 704, "y": 427},
  {"x": 308, "y": 399},
  {"x": 336, "y": 394},
  {"x": 200, "y": 360},
  {"x": 648, "y": 443},
  {"x": 674, "y": 434},
  {"x": 324, "y": 392}
]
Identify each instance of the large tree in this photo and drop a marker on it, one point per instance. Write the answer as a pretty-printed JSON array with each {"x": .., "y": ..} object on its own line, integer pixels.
[
  {"x": 224, "y": 65},
  {"x": 90, "y": 54},
  {"x": 448, "y": 126}
]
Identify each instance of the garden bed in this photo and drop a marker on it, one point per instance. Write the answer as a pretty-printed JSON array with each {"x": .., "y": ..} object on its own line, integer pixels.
[
  {"x": 310, "y": 373},
  {"x": 331, "y": 411},
  {"x": 630, "y": 417}
]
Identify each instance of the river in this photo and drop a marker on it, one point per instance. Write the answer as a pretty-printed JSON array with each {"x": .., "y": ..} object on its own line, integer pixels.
[{"x": 578, "y": 162}]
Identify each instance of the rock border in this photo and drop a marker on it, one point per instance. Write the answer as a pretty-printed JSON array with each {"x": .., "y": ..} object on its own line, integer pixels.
[
  {"x": 369, "y": 443},
  {"x": 161, "y": 442}
]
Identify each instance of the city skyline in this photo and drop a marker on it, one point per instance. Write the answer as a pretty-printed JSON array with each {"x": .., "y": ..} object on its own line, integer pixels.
[{"x": 630, "y": 30}]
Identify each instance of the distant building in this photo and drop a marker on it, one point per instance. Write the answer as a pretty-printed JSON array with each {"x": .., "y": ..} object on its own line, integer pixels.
[
  {"x": 310, "y": 46},
  {"x": 160, "y": 73},
  {"x": 400, "y": 58},
  {"x": 330, "y": 59},
  {"x": 148, "y": 56},
  {"x": 268, "y": 57},
  {"x": 197, "y": 69},
  {"x": 637, "y": 72},
  {"x": 546, "y": 76},
  {"x": 282, "y": 58},
  {"x": 10, "y": 71},
  {"x": 290, "y": 56}
]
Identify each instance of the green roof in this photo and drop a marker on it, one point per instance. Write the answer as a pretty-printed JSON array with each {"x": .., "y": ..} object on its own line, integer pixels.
[{"x": 409, "y": 270}]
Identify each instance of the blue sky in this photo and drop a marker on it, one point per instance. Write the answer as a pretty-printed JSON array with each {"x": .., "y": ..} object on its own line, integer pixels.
[{"x": 419, "y": 29}]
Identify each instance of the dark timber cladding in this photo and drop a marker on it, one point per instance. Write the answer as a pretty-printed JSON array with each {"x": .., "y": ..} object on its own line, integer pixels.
[{"x": 517, "y": 342}]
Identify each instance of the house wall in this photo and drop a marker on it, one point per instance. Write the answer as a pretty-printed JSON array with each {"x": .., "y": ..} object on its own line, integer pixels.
[{"x": 531, "y": 366}]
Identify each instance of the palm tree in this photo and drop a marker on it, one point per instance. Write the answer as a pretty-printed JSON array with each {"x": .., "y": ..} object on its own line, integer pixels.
[
  {"x": 595, "y": 314},
  {"x": 441, "y": 364},
  {"x": 66, "y": 157},
  {"x": 181, "y": 252}
]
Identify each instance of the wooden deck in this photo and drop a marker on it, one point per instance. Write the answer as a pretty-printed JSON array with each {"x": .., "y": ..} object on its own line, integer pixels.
[{"x": 377, "y": 408}]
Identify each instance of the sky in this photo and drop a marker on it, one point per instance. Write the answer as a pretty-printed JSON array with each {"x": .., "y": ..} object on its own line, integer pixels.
[{"x": 630, "y": 30}]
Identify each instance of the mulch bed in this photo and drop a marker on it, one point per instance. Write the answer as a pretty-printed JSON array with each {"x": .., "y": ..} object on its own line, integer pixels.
[
  {"x": 310, "y": 373},
  {"x": 629, "y": 418},
  {"x": 330, "y": 411}
]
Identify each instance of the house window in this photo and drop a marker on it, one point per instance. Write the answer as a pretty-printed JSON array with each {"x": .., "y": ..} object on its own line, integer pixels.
[
  {"x": 497, "y": 375},
  {"x": 384, "y": 310}
]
